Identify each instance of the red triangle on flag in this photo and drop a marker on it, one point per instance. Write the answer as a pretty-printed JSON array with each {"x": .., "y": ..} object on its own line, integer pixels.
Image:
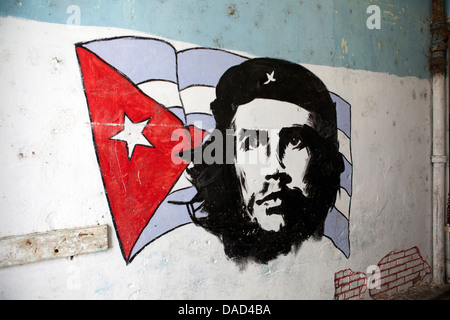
[{"x": 136, "y": 180}]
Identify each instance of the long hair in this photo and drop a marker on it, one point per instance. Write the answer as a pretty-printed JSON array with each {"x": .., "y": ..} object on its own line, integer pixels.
[{"x": 218, "y": 185}]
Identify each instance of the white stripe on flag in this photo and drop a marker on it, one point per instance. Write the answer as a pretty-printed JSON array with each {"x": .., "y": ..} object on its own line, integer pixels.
[
  {"x": 163, "y": 92},
  {"x": 198, "y": 99},
  {"x": 343, "y": 203},
  {"x": 344, "y": 146}
]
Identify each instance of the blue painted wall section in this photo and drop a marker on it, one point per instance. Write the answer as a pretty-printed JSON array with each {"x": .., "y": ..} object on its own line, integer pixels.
[{"x": 322, "y": 32}]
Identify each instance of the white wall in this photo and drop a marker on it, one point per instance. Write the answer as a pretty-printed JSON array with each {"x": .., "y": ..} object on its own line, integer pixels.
[{"x": 50, "y": 180}]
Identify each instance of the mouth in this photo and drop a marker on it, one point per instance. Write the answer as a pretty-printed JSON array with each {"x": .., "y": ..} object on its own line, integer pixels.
[{"x": 272, "y": 200}]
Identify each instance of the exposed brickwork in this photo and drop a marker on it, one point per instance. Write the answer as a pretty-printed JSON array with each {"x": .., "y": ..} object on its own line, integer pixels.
[
  {"x": 400, "y": 271},
  {"x": 349, "y": 285}
]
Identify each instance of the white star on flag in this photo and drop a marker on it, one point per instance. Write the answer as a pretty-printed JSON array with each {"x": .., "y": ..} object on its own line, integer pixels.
[{"x": 132, "y": 135}]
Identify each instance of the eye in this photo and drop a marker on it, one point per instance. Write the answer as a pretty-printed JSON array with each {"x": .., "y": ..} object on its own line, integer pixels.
[
  {"x": 293, "y": 137},
  {"x": 250, "y": 140},
  {"x": 295, "y": 140}
]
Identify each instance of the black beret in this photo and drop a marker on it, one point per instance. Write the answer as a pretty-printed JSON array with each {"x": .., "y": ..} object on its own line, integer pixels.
[{"x": 273, "y": 79}]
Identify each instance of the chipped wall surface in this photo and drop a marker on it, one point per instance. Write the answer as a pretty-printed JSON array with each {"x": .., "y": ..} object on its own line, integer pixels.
[
  {"x": 318, "y": 32},
  {"x": 50, "y": 175}
]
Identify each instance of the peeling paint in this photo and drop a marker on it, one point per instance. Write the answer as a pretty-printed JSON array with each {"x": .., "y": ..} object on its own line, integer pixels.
[
  {"x": 218, "y": 25},
  {"x": 344, "y": 46}
]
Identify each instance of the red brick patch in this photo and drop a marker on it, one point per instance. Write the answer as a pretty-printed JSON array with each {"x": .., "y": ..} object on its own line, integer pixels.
[
  {"x": 349, "y": 285},
  {"x": 400, "y": 271}
]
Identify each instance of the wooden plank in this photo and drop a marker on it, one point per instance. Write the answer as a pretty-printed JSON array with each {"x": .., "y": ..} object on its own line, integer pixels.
[{"x": 17, "y": 250}]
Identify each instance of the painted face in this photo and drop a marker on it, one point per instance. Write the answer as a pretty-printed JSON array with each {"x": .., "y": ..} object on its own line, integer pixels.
[{"x": 271, "y": 158}]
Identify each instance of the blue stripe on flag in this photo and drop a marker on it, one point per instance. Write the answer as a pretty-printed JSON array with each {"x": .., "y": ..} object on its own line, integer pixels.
[
  {"x": 337, "y": 229},
  {"x": 140, "y": 59},
  {"x": 343, "y": 114},
  {"x": 204, "y": 67},
  {"x": 346, "y": 177}
]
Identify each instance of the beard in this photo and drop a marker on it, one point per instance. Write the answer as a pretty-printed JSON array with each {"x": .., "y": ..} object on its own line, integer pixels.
[
  {"x": 303, "y": 217},
  {"x": 230, "y": 220}
]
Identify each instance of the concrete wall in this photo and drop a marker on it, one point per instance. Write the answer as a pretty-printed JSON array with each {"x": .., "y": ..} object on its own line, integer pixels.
[{"x": 51, "y": 180}]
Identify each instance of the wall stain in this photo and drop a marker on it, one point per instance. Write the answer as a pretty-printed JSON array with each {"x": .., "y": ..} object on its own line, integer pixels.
[{"x": 232, "y": 11}]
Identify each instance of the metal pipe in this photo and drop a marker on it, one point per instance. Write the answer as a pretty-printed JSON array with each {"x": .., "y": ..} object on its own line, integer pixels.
[
  {"x": 438, "y": 67},
  {"x": 447, "y": 219},
  {"x": 447, "y": 252}
]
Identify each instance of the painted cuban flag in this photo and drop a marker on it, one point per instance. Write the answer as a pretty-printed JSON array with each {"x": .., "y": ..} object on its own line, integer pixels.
[{"x": 141, "y": 93}]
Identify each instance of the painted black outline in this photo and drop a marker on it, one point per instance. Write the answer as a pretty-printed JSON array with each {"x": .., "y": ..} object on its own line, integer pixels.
[
  {"x": 204, "y": 49},
  {"x": 81, "y": 45},
  {"x": 353, "y": 171},
  {"x": 162, "y": 234}
]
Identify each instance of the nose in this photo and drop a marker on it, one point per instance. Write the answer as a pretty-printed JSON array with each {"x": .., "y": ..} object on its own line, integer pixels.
[
  {"x": 275, "y": 168},
  {"x": 282, "y": 177}
]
